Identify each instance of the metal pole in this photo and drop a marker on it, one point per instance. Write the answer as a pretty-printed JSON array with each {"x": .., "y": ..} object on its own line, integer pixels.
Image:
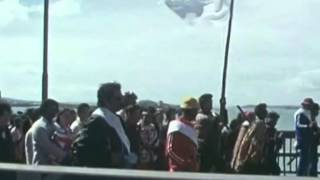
[
  {"x": 45, "y": 51},
  {"x": 223, "y": 110}
]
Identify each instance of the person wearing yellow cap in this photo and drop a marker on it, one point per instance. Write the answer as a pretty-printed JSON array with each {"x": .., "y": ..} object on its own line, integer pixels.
[{"x": 182, "y": 144}]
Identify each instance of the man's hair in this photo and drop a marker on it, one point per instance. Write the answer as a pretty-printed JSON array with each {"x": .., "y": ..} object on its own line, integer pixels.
[
  {"x": 4, "y": 107},
  {"x": 260, "y": 108},
  {"x": 106, "y": 92},
  {"x": 82, "y": 106},
  {"x": 204, "y": 98},
  {"x": 46, "y": 104},
  {"x": 128, "y": 98}
]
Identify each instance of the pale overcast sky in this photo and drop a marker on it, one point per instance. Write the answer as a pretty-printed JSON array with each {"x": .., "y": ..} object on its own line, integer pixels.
[{"x": 274, "y": 54}]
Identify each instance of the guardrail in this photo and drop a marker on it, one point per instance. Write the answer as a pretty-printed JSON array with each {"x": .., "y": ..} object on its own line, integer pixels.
[
  {"x": 27, "y": 172},
  {"x": 288, "y": 153}
]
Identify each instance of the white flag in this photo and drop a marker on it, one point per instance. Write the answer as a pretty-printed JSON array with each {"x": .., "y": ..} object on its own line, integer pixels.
[{"x": 200, "y": 9}]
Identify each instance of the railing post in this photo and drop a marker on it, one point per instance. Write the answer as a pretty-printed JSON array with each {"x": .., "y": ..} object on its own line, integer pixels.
[{"x": 284, "y": 156}]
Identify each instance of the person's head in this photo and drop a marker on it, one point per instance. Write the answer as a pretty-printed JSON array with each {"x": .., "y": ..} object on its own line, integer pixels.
[
  {"x": 34, "y": 114},
  {"x": 205, "y": 102},
  {"x": 18, "y": 122},
  {"x": 129, "y": 98},
  {"x": 146, "y": 117},
  {"x": 261, "y": 111},
  {"x": 65, "y": 118},
  {"x": 171, "y": 114},
  {"x": 49, "y": 109},
  {"x": 159, "y": 115},
  {"x": 315, "y": 110},
  {"x": 133, "y": 114},
  {"x": 249, "y": 116},
  {"x": 83, "y": 111},
  {"x": 110, "y": 96},
  {"x": 190, "y": 108},
  {"x": 307, "y": 103},
  {"x": 5, "y": 114},
  {"x": 272, "y": 119},
  {"x": 144, "y": 114}
]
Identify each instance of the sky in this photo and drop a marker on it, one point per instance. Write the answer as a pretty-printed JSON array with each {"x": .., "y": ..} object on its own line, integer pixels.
[{"x": 147, "y": 48}]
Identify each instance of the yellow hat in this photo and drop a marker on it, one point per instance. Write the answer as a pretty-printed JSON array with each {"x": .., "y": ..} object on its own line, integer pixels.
[{"x": 190, "y": 103}]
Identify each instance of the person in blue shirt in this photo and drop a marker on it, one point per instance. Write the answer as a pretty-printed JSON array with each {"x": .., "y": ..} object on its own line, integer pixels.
[{"x": 304, "y": 135}]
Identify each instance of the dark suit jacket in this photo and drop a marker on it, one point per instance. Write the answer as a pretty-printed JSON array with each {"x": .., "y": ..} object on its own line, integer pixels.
[
  {"x": 95, "y": 143},
  {"x": 6, "y": 146}
]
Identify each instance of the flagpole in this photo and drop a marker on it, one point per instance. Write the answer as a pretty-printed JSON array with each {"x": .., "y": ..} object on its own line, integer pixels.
[
  {"x": 45, "y": 51},
  {"x": 223, "y": 110}
]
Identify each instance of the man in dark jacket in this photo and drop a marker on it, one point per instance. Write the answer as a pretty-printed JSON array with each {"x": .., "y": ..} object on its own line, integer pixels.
[
  {"x": 103, "y": 142},
  {"x": 6, "y": 143}
]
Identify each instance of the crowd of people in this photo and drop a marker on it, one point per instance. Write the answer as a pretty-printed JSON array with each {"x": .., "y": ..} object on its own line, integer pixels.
[{"x": 118, "y": 133}]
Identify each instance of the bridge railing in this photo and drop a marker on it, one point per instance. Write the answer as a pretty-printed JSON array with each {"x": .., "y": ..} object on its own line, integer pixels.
[
  {"x": 28, "y": 172},
  {"x": 288, "y": 156}
]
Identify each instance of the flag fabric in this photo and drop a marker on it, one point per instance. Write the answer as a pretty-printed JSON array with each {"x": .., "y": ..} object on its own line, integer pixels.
[{"x": 199, "y": 9}]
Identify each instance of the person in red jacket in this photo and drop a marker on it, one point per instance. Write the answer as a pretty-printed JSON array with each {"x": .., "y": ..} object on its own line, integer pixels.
[{"x": 182, "y": 145}]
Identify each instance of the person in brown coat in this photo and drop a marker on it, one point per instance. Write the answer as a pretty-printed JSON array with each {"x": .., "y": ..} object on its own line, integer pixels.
[
  {"x": 251, "y": 152},
  {"x": 236, "y": 159}
]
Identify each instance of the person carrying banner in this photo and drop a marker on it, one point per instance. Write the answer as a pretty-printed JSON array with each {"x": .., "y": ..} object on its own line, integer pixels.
[{"x": 251, "y": 152}]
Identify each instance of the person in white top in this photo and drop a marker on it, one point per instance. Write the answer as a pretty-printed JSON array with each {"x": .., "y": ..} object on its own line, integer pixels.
[{"x": 83, "y": 111}]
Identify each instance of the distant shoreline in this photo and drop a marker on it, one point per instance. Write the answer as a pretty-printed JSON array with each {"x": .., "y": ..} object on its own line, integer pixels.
[{"x": 144, "y": 103}]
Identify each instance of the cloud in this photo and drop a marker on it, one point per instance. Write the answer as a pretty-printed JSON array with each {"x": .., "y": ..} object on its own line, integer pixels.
[
  {"x": 17, "y": 10},
  {"x": 11, "y": 10},
  {"x": 307, "y": 81},
  {"x": 151, "y": 51},
  {"x": 65, "y": 8}
]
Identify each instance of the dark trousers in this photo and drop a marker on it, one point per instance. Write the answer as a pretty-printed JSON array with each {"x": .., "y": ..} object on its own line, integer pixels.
[
  {"x": 304, "y": 161},
  {"x": 313, "y": 166}
]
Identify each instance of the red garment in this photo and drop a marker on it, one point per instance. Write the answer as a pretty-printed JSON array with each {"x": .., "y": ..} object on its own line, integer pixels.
[{"x": 181, "y": 152}]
